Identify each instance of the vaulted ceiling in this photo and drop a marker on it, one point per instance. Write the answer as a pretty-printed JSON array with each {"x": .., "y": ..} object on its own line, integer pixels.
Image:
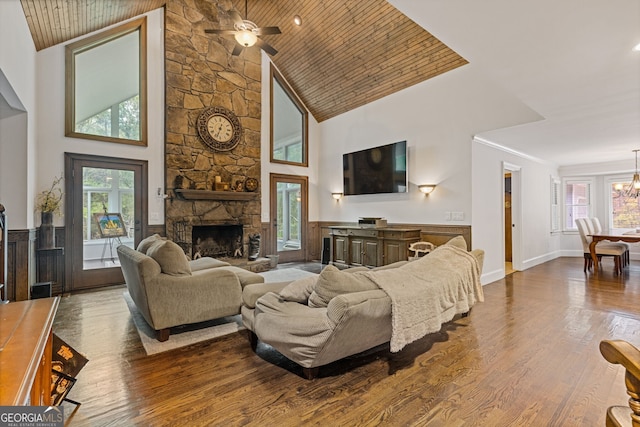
[
  {"x": 571, "y": 62},
  {"x": 344, "y": 55}
]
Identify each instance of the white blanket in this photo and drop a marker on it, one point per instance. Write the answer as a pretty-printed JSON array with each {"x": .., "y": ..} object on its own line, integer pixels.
[{"x": 429, "y": 292}]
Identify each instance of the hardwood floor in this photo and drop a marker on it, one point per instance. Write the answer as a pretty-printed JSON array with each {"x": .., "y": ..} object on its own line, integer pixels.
[{"x": 527, "y": 356}]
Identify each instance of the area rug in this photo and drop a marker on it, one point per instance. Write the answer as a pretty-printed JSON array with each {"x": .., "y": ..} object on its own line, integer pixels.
[
  {"x": 183, "y": 335},
  {"x": 285, "y": 275}
]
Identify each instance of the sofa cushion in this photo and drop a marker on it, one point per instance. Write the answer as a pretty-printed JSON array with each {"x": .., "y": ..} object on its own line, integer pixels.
[
  {"x": 458, "y": 242},
  {"x": 170, "y": 257},
  {"x": 332, "y": 282},
  {"x": 206, "y": 262},
  {"x": 299, "y": 290},
  {"x": 146, "y": 243}
]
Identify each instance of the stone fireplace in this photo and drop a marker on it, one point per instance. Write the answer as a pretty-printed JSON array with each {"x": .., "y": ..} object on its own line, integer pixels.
[{"x": 202, "y": 73}]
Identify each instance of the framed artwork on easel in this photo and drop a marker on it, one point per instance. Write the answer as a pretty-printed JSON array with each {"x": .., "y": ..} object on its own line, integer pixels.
[{"x": 110, "y": 225}]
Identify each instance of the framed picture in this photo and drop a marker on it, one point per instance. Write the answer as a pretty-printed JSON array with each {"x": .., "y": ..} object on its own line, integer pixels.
[{"x": 110, "y": 225}]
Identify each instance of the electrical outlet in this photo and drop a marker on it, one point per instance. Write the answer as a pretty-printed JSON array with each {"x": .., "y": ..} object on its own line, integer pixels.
[
  {"x": 457, "y": 216},
  {"x": 154, "y": 216},
  {"x": 447, "y": 216}
]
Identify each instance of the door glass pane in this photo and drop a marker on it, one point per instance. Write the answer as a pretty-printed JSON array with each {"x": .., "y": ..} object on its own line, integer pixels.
[
  {"x": 288, "y": 218},
  {"x": 107, "y": 215}
]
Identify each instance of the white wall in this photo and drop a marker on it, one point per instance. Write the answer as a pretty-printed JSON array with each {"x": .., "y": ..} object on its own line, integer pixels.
[
  {"x": 267, "y": 167},
  {"x": 437, "y": 118},
  {"x": 17, "y": 133},
  {"x": 531, "y": 210},
  {"x": 52, "y": 144}
]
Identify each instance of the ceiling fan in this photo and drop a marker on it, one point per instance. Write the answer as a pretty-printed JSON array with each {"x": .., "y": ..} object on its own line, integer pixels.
[{"x": 246, "y": 33}]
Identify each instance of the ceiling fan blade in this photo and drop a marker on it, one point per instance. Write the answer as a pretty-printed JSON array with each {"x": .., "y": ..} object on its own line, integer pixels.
[
  {"x": 221, "y": 32},
  {"x": 267, "y": 30},
  {"x": 237, "y": 49},
  {"x": 235, "y": 17},
  {"x": 266, "y": 47}
]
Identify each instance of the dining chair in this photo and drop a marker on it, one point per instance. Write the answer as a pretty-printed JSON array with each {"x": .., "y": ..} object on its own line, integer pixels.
[
  {"x": 597, "y": 229},
  {"x": 585, "y": 228}
]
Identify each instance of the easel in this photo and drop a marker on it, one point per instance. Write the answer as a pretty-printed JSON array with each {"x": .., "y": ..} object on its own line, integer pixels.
[
  {"x": 111, "y": 227},
  {"x": 109, "y": 242}
]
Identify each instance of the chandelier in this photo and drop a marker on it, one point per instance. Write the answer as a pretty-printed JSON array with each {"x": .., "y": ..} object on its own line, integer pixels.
[{"x": 634, "y": 187}]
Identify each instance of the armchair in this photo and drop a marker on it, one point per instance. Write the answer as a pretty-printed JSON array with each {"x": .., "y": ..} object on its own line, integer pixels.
[{"x": 625, "y": 354}]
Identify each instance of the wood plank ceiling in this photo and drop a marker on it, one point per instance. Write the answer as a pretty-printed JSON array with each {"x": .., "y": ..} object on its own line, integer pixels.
[{"x": 344, "y": 55}]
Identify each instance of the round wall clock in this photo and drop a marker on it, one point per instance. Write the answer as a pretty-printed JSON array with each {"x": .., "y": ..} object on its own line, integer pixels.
[{"x": 219, "y": 128}]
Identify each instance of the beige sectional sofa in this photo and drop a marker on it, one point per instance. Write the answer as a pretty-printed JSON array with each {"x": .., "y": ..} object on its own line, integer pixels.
[
  {"x": 317, "y": 320},
  {"x": 170, "y": 290}
]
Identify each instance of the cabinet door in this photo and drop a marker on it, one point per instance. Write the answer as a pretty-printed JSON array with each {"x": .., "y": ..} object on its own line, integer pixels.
[
  {"x": 370, "y": 255},
  {"x": 394, "y": 251},
  {"x": 357, "y": 251},
  {"x": 340, "y": 249}
]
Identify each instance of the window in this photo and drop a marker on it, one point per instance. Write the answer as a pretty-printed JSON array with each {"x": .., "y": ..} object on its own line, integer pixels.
[
  {"x": 289, "y": 120},
  {"x": 556, "y": 214},
  {"x": 624, "y": 210},
  {"x": 106, "y": 190},
  {"x": 105, "y": 95},
  {"x": 577, "y": 202}
]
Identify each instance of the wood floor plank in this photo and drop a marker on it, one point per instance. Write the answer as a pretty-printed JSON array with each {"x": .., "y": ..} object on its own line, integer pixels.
[{"x": 527, "y": 356}]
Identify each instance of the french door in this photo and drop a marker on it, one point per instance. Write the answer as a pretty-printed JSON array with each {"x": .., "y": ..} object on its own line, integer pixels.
[
  {"x": 105, "y": 206},
  {"x": 288, "y": 212}
]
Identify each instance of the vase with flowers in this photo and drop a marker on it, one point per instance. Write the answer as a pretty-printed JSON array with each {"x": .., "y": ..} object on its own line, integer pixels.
[{"x": 49, "y": 202}]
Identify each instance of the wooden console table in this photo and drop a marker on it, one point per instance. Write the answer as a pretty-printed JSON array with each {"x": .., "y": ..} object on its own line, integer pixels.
[
  {"x": 26, "y": 351},
  {"x": 370, "y": 246}
]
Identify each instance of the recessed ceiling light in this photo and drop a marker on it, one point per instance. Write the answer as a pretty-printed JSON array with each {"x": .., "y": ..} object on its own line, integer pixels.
[
  {"x": 297, "y": 20},
  {"x": 637, "y": 47}
]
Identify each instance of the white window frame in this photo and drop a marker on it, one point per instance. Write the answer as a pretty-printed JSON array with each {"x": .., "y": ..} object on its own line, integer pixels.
[
  {"x": 556, "y": 208},
  {"x": 592, "y": 199},
  {"x": 608, "y": 181}
]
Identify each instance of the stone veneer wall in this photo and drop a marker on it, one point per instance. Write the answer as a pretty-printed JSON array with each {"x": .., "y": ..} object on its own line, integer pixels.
[{"x": 201, "y": 72}]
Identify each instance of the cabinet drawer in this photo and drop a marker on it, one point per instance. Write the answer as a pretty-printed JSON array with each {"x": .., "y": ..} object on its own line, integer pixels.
[
  {"x": 402, "y": 234},
  {"x": 339, "y": 232},
  {"x": 363, "y": 233}
]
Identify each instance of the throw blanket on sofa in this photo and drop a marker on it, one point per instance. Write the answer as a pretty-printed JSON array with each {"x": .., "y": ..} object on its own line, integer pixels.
[{"x": 429, "y": 292}]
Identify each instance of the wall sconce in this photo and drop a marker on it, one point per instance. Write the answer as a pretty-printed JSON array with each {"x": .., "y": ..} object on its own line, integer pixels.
[
  {"x": 426, "y": 188},
  {"x": 336, "y": 196}
]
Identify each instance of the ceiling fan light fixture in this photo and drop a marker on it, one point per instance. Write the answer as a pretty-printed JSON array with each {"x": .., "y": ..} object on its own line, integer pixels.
[{"x": 246, "y": 38}]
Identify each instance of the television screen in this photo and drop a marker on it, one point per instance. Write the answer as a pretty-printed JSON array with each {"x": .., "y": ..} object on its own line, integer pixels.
[{"x": 376, "y": 170}]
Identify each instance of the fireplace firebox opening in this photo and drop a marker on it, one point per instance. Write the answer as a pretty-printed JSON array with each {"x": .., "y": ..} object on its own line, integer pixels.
[{"x": 217, "y": 241}]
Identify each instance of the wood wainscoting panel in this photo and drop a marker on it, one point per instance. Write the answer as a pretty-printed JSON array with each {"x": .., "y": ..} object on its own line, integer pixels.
[{"x": 21, "y": 263}]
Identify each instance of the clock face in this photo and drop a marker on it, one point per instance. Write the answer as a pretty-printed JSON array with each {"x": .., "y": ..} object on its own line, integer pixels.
[{"x": 219, "y": 128}]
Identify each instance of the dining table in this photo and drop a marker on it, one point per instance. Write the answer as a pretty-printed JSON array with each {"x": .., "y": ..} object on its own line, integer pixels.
[{"x": 611, "y": 236}]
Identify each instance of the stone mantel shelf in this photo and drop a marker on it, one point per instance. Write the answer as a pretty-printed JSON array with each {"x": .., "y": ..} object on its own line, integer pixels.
[{"x": 187, "y": 194}]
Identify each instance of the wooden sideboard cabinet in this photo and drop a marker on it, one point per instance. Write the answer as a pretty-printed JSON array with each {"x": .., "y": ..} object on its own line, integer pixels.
[
  {"x": 25, "y": 359},
  {"x": 353, "y": 246}
]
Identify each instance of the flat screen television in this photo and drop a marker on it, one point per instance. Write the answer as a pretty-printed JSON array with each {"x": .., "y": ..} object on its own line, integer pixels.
[{"x": 376, "y": 170}]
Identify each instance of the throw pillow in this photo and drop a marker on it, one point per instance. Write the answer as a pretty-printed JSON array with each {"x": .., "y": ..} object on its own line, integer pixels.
[
  {"x": 146, "y": 243},
  {"x": 299, "y": 290},
  {"x": 458, "y": 242},
  {"x": 333, "y": 282},
  {"x": 170, "y": 257}
]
